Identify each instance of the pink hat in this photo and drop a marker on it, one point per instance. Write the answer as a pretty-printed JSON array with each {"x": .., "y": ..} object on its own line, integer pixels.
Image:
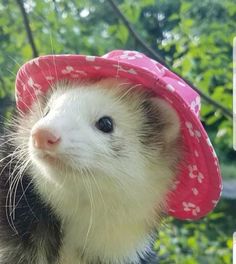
[{"x": 198, "y": 187}]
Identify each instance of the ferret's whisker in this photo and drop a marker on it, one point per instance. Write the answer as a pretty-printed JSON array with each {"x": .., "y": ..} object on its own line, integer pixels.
[
  {"x": 128, "y": 91},
  {"x": 15, "y": 181},
  {"x": 102, "y": 198},
  {"x": 23, "y": 194},
  {"x": 91, "y": 213},
  {"x": 11, "y": 155},
  {"x": 27, "y": 199},
  {"x": 10, "y": 220}
]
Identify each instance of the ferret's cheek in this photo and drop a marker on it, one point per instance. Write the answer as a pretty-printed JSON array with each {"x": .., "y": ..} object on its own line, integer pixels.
[
  {"x": 31, "y": 149},
  {"x": 34, "y": 155}
]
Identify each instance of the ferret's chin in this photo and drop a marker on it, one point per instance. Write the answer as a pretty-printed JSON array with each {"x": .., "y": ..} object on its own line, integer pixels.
[
  {"x": 45, "y": 158},
  {"x": 51, "y": 160}
]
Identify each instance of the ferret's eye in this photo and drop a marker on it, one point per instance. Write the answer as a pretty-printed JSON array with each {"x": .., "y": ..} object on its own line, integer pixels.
[
  {"x": 105, "y": 124},
  {"x": 46, "y": 111}
]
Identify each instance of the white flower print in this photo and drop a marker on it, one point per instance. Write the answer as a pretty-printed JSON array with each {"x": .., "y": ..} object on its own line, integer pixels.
[
  {"x": 153, "y": 61},
  {"x": 90, "y": 58},
  {"x": 195, "y": 191},
  {"x": 68, "y": 69},
  {"x": 18, "y": 97},
  {"x": 49, "y": 78},
  {"x": 73, "y": 73},
  {"x": 193, "y": 132},
  {"x": 175, "y": 184},
  {"x": 170, "y": 88},
  {"x": 34, "y": 61},
  {"x": 106, "y": 55},
  {"x": 32, "y": 84},
  {"x": 187, "y": 206},
  {"x": 120, "y": 68},
  {"x": 181, "y": 83},
  {"x": 214, "y": 202},
  {"x": 195, "y": 173},
  {"x": 196, "y": 210},
  {"x": 221, "y": 192},
  {"x": 38, "y": 92},
  {"x": 81, "y": 72},
  {"x": 160, "y": 68},
  {"x": 195, "y": 105},
  {"x": 211, "y": 147},
  {"x": 131, "y": 55}
]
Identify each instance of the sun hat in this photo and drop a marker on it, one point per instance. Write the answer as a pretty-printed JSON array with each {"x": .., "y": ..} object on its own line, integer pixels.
[{"x": 197, "y": 187}]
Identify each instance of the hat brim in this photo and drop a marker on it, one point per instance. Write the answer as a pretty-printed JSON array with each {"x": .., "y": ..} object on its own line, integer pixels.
[{"x": 197, "y": 188}]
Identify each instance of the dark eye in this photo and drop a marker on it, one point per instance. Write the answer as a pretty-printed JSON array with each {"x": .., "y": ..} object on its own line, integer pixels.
[
  {"x": 46, "y": 111},
  {"x": 105, "y": 124}
]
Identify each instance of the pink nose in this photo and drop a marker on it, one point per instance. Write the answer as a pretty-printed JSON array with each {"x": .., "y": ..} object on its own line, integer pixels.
[{"x": 45, "y": 139}]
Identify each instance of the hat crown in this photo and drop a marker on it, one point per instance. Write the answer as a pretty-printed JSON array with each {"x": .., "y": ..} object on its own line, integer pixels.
[{"x": 138, "y": 59}]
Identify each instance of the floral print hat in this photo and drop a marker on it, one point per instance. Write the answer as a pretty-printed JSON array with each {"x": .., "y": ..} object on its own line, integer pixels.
[{"x": 197, "y": 188}]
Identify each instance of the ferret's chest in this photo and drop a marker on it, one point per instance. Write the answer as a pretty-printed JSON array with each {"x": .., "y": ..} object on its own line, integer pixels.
[
  {"x": 89, "y": 241},
  {"x": 100, "y": 225},
  {"x": 103, "y": 230}
]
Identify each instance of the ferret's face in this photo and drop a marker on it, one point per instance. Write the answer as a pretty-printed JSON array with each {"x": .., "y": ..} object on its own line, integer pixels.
[
  {"x": 107, "y": 128},
  {"x": 85, "y": 128}
]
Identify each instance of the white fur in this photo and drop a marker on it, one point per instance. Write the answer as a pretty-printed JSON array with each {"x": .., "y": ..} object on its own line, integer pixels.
[{"x": 108, "y": 205}]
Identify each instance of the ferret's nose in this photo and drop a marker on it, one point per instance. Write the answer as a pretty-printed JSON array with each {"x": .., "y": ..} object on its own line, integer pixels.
[{"x": 45, "y": 139}]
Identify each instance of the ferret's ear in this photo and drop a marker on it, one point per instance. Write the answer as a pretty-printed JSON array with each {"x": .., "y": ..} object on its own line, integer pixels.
[{"x": 167, "y": 120}]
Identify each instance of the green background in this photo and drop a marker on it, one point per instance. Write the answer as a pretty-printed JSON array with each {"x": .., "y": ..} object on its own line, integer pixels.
[{"x": 195, "y": 38}]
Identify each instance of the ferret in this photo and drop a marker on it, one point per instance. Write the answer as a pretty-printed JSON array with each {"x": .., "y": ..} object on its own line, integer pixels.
[{"x": 85, "y": 173}]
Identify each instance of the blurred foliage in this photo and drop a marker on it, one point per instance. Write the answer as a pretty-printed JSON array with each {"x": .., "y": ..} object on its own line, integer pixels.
[
  {"x": 207, "y": 241},
  {"x": 194, "y": 36}
]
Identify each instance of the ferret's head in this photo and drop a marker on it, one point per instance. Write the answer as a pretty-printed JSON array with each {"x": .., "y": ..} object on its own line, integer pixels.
[{"x": 109, "y": 129}]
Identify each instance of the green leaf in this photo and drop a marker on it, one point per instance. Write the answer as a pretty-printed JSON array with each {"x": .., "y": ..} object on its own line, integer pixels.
[{"x": 122, "y": 33}]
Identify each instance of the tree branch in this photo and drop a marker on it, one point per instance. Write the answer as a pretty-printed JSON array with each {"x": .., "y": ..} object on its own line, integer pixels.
[
  {"x": 134, "y": 33},
  {"x": 55, "y": 7},
  {"x": 225, "y": 111},
  {"x": 27, "y": 28},
  {"x": 3, "y": 83}
]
